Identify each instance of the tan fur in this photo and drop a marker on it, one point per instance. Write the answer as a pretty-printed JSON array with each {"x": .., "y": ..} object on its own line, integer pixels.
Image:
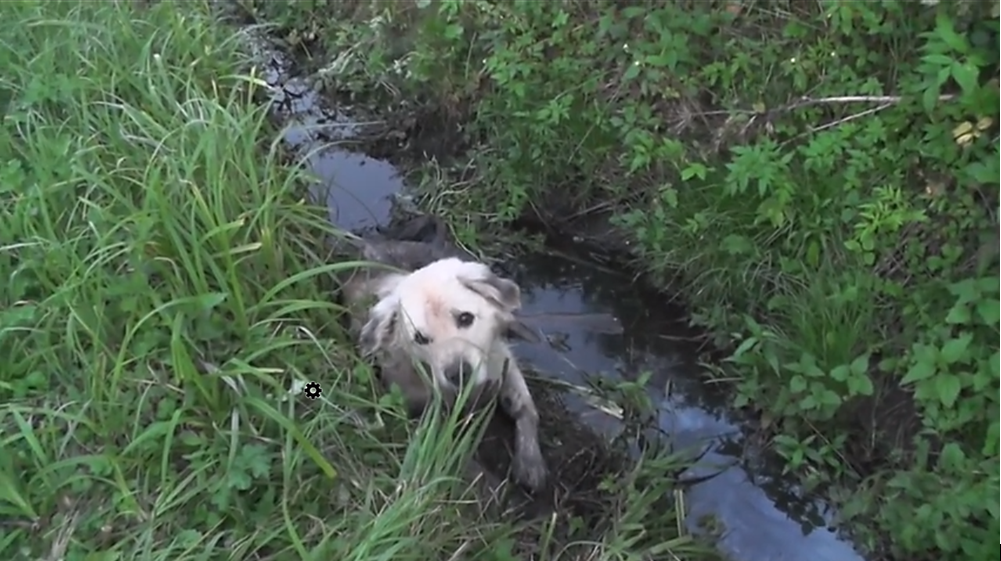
[{"x": 406, "y": 320}]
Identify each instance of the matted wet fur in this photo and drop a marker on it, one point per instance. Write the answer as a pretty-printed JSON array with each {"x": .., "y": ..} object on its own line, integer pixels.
[{"x": 449, "y": 319}]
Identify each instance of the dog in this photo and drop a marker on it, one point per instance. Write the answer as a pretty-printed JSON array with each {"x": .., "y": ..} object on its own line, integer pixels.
[
  {"x": 448, "y": 318},
  {"x": 409, "y": 255}
]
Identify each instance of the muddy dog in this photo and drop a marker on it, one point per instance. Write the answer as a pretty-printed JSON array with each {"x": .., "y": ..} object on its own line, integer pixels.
[
  {"x": 410, "y": 247},
  {"x": 448, "y": 318}
]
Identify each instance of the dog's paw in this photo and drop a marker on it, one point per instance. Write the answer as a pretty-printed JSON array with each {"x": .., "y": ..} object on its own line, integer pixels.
[{"x": 530, "y": 469}]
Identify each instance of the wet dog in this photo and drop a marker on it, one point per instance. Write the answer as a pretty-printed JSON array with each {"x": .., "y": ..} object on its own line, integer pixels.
[{"x": 449, "y": 319}]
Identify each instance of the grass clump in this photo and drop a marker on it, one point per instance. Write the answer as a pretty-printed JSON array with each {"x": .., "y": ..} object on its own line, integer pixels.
[{"x": 161, "y": 295}]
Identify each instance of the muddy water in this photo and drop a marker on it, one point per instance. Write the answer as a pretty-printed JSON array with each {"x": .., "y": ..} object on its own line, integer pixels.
[
  {"x": 763, "y": 518},
  {"x": 359, "y": 190}
]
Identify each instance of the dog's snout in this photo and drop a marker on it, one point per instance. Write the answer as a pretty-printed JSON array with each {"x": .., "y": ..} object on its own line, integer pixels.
[{"x": 458, "y": 372}]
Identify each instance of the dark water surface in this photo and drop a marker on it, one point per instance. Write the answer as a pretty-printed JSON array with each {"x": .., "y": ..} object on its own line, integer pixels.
[{"x": 763, "y": 517}]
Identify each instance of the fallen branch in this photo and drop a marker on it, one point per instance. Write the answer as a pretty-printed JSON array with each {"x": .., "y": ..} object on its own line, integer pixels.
[
  {"x": 808, "y": 101},
  {"x": 858, "y": 115},
  {"x": 883, "y": 99}
]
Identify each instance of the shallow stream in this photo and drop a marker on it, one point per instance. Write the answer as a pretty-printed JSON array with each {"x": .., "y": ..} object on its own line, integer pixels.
[{"x": 762, "y": 516}]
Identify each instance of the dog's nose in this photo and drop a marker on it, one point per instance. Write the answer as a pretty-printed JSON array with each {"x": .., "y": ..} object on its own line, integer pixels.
[{"x": 458, "y": 372}]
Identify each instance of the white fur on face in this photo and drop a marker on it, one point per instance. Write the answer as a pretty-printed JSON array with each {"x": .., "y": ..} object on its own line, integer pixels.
[{"x": 441, "y": 321}]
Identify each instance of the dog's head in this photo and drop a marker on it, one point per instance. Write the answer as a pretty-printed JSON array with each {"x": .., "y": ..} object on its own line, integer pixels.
[{"x": 446, "y": 316}]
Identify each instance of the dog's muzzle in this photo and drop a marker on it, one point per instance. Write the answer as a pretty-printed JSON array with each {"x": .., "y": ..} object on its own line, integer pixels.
[{"x": 458, "y": 373}]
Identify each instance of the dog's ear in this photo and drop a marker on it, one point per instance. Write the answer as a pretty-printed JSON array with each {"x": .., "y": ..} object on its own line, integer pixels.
[
  {"x": 518, "y": 329},
  {"x": 379, "y": 328},
  {"x": 503, "y": 293},
  {"x": 388, "y": 284}
]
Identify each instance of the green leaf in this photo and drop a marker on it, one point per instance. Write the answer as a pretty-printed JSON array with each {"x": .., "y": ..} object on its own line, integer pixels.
[
  {"x": 946, "y": 31},
  {"x": 989, "y": 284},
  {"x": 829, "y": 397},
  {"x": 955, "y": 350},
  {"x": 797, "y": 384},
  {"x": 966, "y": 290},
  {"x": 670, "y": 197},
  {"x": 453, "y": 31},
  {"x": 797, "y": 457},
  {"x": 978, "y": 380},
  {"x": 942, "y": 77},
  {"x": 253, "y": 458},
  {"x": 860, "y": 365},
  {"x": 993, "y": 440},
  {"x": 938, "y": 59},
  {"x": 662, "y": 60},
  {"x": 920, "y": 370},
  {"x": 966, "y": 76},
  {"x": 813, "y": 253},
  {"x": 808, "y": 363},
  {"x": 947, "y": 386},
  {"x": 745, "y": 345},
  {"x": 694, "y": 170},
  {"x": 634, "y": 12},
  {"x": 632, "y": 72},
  {"x": 238, "y": 479},
  {"x": 958, "y": 315},
  {"x": 840, "y": 373},
  {"x": 860, "y": 385},
  {"x": 989, "y": 310},
  {"x": 807, "y": 403},
  {"x": 952, "y": 457}
]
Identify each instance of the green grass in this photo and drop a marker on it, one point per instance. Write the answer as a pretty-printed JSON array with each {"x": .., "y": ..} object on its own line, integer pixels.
[{"x": 163, "y": 293}]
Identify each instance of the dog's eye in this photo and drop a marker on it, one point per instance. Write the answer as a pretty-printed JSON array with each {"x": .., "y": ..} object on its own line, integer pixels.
[
  {"x": 465, "y": 319},
  {"x": 421, "y": 339}
]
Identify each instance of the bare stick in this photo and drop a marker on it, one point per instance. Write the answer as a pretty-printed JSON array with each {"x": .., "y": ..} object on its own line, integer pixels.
[
  {"x": 808, "y": 101},
  {"x": 859, "y": 115}
]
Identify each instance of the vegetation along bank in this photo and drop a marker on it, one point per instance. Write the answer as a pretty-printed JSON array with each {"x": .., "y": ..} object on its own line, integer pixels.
[{"x": 819, "y": 180}]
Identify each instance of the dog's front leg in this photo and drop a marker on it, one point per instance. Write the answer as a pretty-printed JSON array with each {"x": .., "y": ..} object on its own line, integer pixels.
[{"x": 529, "y": 465}]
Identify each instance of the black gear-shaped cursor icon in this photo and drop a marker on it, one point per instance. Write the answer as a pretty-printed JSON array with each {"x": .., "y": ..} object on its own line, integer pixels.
[{"x": 312, "y": 390}]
